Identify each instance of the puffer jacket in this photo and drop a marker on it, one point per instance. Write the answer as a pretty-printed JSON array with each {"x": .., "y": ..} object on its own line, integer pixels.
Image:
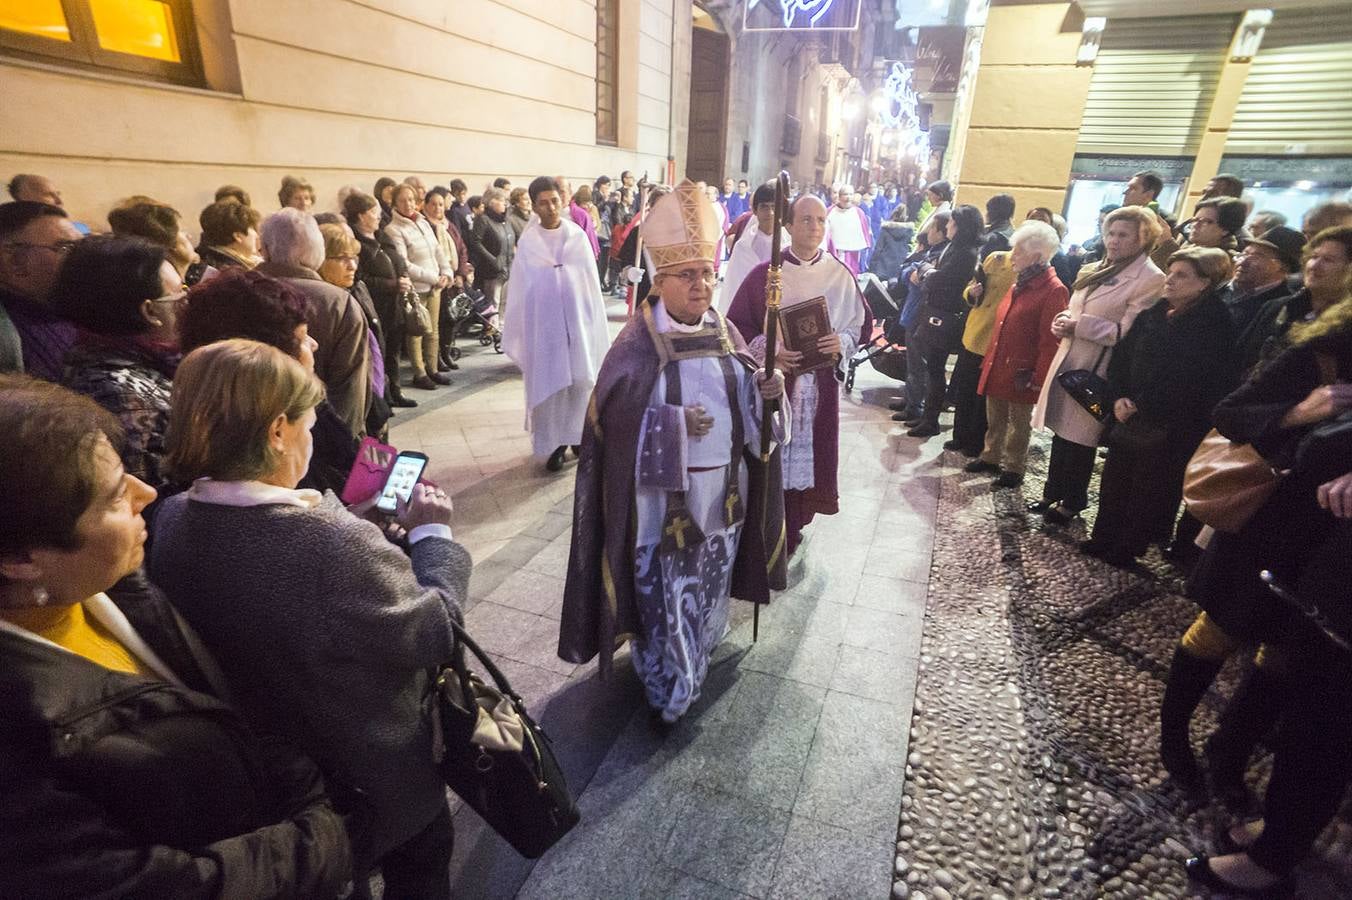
[
  {"x": 415, "y": 240},
  {"x": 116, "y": 785}
]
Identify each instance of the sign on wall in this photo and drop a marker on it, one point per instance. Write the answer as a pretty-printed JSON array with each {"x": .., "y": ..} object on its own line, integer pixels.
[{"x": 801, "y": 15}]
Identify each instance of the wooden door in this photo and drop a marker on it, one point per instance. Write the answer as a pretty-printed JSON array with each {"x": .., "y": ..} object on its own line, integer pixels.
[{"x": 708, "y": 106}]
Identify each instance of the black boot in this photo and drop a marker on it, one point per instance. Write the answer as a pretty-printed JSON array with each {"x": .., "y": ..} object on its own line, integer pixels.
[
  {"x": 1189, "y": 677},
  {"x": 1250, "y": 716}
]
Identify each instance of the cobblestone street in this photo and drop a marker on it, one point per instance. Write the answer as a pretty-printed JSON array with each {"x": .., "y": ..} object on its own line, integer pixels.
[{"x": 1016, "y": 741}]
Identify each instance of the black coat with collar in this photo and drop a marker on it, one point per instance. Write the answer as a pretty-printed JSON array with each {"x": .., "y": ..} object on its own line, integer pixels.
[
  {"x": 117, "y": 785},
  {"x": 1176, "y": 368}
]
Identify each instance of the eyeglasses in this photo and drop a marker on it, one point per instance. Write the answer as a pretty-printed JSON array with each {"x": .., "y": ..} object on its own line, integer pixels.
[
  {"x": 690, "y": 276},
  {"x": 344, "y": 259},
  {"x": 60, "y": 248},
  {"x": 175, "y": 299}
]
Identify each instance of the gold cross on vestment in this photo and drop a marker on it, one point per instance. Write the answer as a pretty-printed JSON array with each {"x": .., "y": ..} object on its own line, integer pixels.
[
  {"x": 677, "y": 529},
  {"x": 731, "y": 504}
]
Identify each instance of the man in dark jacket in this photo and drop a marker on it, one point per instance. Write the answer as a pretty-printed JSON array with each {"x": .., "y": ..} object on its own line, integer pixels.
[
  {"x": 1261, "y": 272},
  {"x": 999, "y": 225},
  {"x": 34, "y": 238}
]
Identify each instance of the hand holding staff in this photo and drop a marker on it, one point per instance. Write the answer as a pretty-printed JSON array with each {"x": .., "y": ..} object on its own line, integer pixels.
[{"x": 773, "y": 289}]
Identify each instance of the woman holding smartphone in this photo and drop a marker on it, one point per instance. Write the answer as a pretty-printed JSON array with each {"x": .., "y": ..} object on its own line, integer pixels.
[{"x": 324, "y": 630}]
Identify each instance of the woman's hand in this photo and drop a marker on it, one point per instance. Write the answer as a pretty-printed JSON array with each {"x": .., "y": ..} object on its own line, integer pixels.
[
  {"x": 915, "y": 275},
  {"x": 443, "y": 281},
  {"x": 975, "y": 290},
  {"x": 1336, "y": 496},
  {"x": 1124, "y": 409},
  {"x": 698, "y": 422},
  {"x": 1063, "y": 325},
  {"x": 426, "y": 506},
  {"x": 771, "y": 385},
  {"x": 1324, "y": 402},
  {"x": 405, "y": 284}
]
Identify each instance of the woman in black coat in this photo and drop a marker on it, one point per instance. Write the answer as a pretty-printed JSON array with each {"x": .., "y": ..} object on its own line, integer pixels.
[
  {"x": 1312, "y": 750},
  {"x": 943, "y": 311},
  {"x": 381, "y": 269},
  {"x": 1175, "y": 364},
  {"x": 1273, "y": 412},
  {"x": 121, "y": 772}
]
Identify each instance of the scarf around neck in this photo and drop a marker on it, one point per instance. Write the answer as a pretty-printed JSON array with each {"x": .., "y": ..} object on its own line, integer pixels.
[{"x": 1103, "y": 273}]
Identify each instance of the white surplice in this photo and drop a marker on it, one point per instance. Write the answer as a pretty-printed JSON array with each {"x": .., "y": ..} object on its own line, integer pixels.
[
  {"x": 751, "y": 249},
  {"x": 555, "y": 331}
]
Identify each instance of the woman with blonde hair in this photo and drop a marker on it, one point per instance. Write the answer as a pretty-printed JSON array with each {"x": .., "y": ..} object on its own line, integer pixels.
[
  {"x": 295, "y": 595},
  {"x": 1104, "y": 302}
]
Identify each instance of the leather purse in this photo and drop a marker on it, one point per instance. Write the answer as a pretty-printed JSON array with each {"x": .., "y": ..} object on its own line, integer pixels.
[
  {"x": 1137, "y": 435},
  {"x": 496, "y": 758},
  {"x": 417, "y": 320},
  {"x": 1090, "y": 389},
  {"x": 1226, "y": 483}
]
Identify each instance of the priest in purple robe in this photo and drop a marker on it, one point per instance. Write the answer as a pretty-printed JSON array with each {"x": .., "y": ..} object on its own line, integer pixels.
[
  {"x": 674, "y": 512},
  {"x": 811, "y": 460}
]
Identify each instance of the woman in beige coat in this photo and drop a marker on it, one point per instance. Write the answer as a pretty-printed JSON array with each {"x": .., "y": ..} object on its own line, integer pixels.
[{"x": 1104, "y": 302}]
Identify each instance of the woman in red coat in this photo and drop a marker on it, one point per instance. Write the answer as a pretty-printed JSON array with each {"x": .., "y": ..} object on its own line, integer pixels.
[{"x": 1020, "y": 353}]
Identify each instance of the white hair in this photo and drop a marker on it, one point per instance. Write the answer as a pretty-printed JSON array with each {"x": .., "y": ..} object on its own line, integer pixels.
[
  {"x": 293, "y": 237},
  {"x": 1036, "y": 237}
]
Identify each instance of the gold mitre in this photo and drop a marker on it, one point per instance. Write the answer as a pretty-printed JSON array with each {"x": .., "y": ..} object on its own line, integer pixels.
[{"x": 681, "y": 228}]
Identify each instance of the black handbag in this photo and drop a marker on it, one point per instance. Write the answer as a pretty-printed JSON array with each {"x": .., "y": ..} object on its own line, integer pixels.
[
  {"x": 1090, "y": 389},
  {"x": 497, "y": 759},
  {"x": 1137, "y": 435}
]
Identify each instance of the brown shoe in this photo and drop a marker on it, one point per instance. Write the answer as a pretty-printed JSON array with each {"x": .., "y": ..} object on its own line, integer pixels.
[
  {"x": 422, "y": 382},
  {"x": 439, "y": 378}
]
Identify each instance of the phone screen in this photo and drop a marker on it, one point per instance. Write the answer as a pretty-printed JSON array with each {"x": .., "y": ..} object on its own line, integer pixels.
[{"x": 404, "y": 474}]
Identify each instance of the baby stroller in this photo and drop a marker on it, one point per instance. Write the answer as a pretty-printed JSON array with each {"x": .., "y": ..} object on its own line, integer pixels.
[
  {"x": 886, "y": 348},
  {"x": 470, "y": 312}
]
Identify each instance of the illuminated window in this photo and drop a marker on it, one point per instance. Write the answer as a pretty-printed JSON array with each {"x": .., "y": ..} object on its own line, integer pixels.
[
  {"x": 607, "y": 71},
  {"x": 151, "y": 37},
  {"x": 40, "y": 18}
]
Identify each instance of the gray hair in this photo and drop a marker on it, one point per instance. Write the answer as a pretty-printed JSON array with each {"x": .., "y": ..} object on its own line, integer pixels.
[
  {"x": 293, "y": 237},
  {"x": 1036, "y": 237},
  {"x": 495, "y": 194}
]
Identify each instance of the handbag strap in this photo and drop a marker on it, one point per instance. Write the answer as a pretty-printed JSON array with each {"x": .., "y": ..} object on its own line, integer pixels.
[
  {"x": 463, "y": 641},
  {"x": 1104, "y": 350}
]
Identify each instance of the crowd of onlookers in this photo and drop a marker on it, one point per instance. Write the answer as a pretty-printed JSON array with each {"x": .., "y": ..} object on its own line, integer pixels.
[
  {"x": 1142, "y": 341},
  {"x": 221, "y": 388},
  {"x": 215, "y": 674}
]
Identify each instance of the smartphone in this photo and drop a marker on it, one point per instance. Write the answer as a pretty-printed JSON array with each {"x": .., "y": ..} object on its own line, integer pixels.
[{"x": 404, "y": 474}]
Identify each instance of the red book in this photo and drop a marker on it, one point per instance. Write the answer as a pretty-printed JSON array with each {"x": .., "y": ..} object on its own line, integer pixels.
[{"x": 803, "y": 325}]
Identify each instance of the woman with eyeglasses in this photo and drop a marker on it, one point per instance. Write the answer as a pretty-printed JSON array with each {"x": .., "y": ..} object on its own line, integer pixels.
[
  {"x": 123, "y": 296},
  {"x": 341, "y": 252}
]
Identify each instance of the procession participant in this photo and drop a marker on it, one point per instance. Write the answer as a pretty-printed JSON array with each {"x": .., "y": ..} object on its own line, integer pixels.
[
  {"x": 810, "y": 461},
  {"x": 848, "y": 233},
  {"x": 753, "y": 249},
  {"x": 667, "y": 519},
  {"x": 721, "y": 214},
  {"x": 555, "y": 329}
]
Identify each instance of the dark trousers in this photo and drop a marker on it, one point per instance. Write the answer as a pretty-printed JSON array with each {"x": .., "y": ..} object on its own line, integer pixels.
[
  {"x": 1312, "y": 759},
  {"x": 603, "y": 264},
  {"x": 969, "y": 408},
  {"x": 1068, "y": 473},
  {"x": 1139, "y": 495},
  {"x": 393, "y": 325},
  {"x": 418, "y": 869},
  {"x": 936, "y": 371}
]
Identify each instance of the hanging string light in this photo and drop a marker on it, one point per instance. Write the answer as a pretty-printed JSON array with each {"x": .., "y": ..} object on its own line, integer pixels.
[{"x": 901, "y": 111}]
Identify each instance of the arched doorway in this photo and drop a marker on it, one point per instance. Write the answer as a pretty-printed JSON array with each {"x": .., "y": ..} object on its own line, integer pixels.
[{"x": 709, "y": 63}]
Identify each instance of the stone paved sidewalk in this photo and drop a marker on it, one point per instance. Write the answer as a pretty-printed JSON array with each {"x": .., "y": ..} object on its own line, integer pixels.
[{"x": 786, "y": 779}]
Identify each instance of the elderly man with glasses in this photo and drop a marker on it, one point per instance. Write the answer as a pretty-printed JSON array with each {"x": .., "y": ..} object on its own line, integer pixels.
[
  {"x": 670, "y": 519},
  {"x": 34, "y": 238}
]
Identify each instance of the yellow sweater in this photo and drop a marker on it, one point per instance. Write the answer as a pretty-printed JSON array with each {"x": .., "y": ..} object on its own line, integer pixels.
[
  {"x": 69, "y": 627},
  {"x": 976, "y": 335}
]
